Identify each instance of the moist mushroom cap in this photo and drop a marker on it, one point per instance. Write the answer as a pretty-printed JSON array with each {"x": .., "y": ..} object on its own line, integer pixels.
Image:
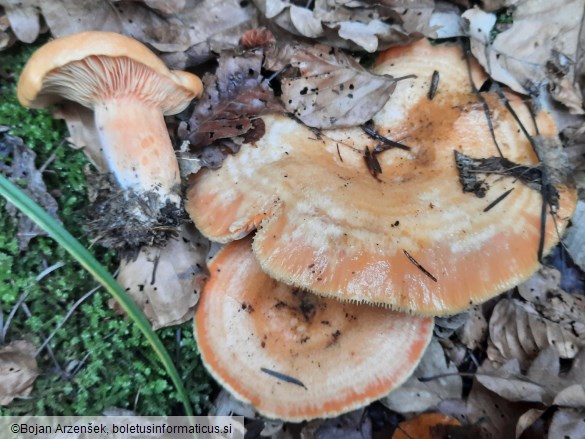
[
  {"x": 250, "y": 328},
  {"x": 410, "y": 238},
  {"x": 78, "y": 47}
]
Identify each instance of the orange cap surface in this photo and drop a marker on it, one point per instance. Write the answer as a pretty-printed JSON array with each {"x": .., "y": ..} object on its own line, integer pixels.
[
  {"x": 410, "y": 239},
  {"x": 78, "y": 47},
  {"x": 296, "y": 356}
]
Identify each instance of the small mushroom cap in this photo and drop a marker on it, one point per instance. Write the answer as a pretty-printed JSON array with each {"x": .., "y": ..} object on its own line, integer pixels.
[
  {"x": 296, "y": 356},
  {"x": 410, "y": 239},
  {"x": 78, "y": 47}
]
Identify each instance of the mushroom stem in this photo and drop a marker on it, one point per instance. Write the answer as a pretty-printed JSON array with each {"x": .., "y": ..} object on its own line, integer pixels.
[{"x": 146, "y": 162}]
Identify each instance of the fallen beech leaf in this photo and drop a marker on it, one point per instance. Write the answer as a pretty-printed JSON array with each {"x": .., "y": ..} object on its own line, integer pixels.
[
  {"x": 188, "y": 31},
  {"x": 7, "y": 37},
  {"x": 24, "y": 18},
  {"x": 475, "y": 330},
  {"x": 19, "y": 166},
  {"x": 332, "y": 90},
  {"x": 567, "y": 423},
  {"x": 352, "y": 425},
  {"x": 83, "y": 133},
  {"x": 547, "y": 316},
  {"x": 542, "y": 383},
  {"x": 233, "y": 97},
  {"x": 509, "y": 383},
  {"x": 355, "y": 25},
  {"x": 572, "y": 396},
  {"x": 494, "y": 416},
  {"x": 542, "y": 46},
  {"x": 18, "y": 370},
  {"x": 166, "y": 282},
  {"x": 447, "y": 325},
  {"x": 417, "y": 396},
  {"x": 226, "y": 405},
  {"x": 527, "y": 420},
  {"x": 575, "y": 237}
]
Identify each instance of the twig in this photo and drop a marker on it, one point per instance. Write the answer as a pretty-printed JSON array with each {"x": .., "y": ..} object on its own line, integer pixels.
[{"x": 486, "y": 109}]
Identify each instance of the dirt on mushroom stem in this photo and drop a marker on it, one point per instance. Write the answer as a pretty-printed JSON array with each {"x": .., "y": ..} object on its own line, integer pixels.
[{"x": 127, "y": 220}]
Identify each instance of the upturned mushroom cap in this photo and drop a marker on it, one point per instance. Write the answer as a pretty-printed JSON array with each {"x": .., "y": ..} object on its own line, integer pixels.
[
  {"x": 99, "y": 65},
  {"x": 296, "y": 356},
  {"x": 410, "y": 238}
]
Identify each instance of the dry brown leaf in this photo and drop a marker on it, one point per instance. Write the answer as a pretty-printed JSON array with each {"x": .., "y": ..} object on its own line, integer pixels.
[
  {"x": 352, "y": 425},
  {"x": 24, "y": 18},
  {"x": 7, "y": 37},
  {"x": 509, "y": 383},
  {"x": 547, "y": 316},
  {"x": 233, "y": 97},
  {"x": 417, "y": 396},
  {"x": 447, "y": 325},
  {"x": 17, "y": 162},
  {"x": 494, "y": 416},
  {"x": 186, "y": 31},
  {"x": 567, "y": 423},
  {"x": 541, "y": 47},
  {"x": 83, "y": 133},
  {"x": 575, "y": 238},
  {"x": 354, "y": 25},
  {"x": 18, "y": 370},
  {"x": 166, "y": 282},
  {"x": 527, "y": 420},
  {"x": 542, "y": 383},
  {"x": 473, "y": 333},
  {"x": 331, "y": 89}
]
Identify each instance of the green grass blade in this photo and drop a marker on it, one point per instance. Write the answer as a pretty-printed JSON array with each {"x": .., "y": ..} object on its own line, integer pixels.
[{"x": 19, "y": 199}]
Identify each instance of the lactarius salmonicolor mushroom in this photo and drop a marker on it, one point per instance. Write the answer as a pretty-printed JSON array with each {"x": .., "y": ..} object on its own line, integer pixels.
[
  {"x": 410, "y": 238},
  {"x": 129, "y": 90},
  {"x": 296, "y": 356}
]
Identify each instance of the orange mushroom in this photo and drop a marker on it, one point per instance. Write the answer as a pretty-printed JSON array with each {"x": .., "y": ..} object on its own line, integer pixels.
[
  {"x": 296, "y": 356},
  {"x": 409, "y": 238},
  {"x": 426, "y": 426},
  {"x": 129, "y": 90}
]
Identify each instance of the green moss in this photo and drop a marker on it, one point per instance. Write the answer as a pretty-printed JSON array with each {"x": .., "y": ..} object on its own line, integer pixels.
[{"x": 99, "y": 359}]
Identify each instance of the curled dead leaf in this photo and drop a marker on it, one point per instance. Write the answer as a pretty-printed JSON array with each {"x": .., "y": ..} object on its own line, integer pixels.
[
  {"x": 415, "y": 395},
  {"x": 547, "y": 316},
  {"x": 567, "y": 423},
  {"x": 17, "y": 162},
  {"x": 354, "y": 25},
  {"x": 233, "y": 97},
  {"x": 473, "y": 333},
  {"x": 18, "y": 370},
  {"x": 542, "y": 46},
  {"x": 166, "y": 282},
  {"x": 575, "y": 238}
]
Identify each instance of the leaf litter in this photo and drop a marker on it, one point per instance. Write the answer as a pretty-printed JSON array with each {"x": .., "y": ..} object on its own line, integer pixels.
[
  {"x": 17, "y": 162},
  {"x": 18, "y": 370},
  {"x": 527, "y": 360}
]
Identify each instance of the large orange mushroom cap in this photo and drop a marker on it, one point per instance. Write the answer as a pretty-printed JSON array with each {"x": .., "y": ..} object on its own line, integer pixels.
[
  {"x": 296, "y": 356},
  {"x": 410, "y": 239}
]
